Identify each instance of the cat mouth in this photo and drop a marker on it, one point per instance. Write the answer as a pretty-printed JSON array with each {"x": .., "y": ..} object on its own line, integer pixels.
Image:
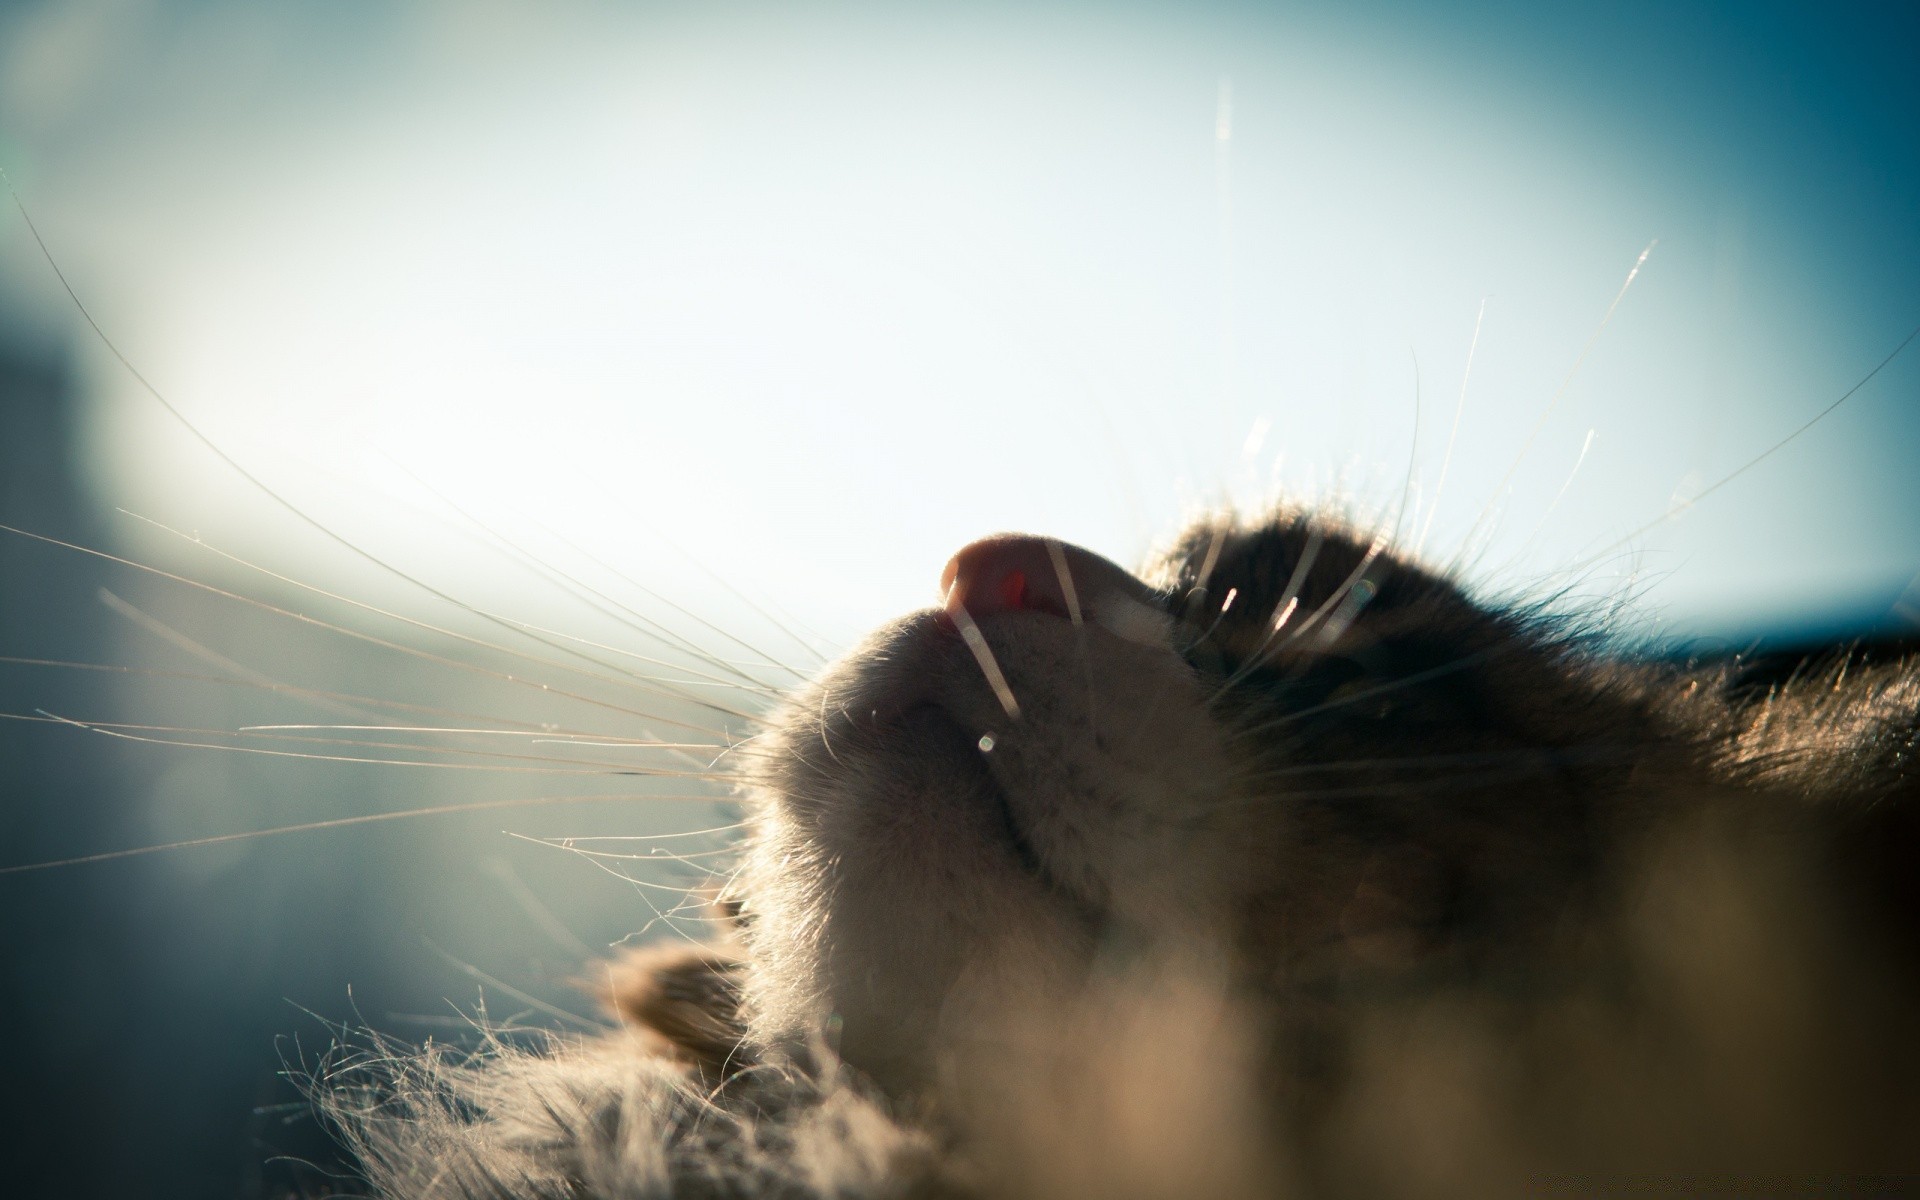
[
  {"x": 1018, "y": 840},
  {"x": 999, "y": 807},
  {"x": 995, "y": 748},
  {"x": 943, "y": 706}
]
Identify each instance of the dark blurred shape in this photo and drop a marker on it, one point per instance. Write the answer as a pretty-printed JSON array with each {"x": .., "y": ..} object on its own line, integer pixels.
[{"x": 121, "y": 1075}]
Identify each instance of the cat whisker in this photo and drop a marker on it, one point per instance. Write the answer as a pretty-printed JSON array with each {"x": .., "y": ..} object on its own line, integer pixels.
[
  {"x": 626, "y": 678},
  {"x": 181, "y": 641},
  {"x": 1208, "y": 563},
  {"x": 437, "y": 810},
  {"x": 190, "y": 646},
  {"x": 540, "y": 913},
  {"x": 552, "y": 1010},
  {"x": 784, "y": 624},
  {"x": 606, "y": 862},
  {"x": 1283, "y": 611},
  {"x": 983, "y": 654},
  {"x": 540, "y": 733},
  {"x": 149, "y": 735},
  {"x": 1554, "y": 756},
  {"x": 1676, "y": 510},
  {"x": 826, "y": 727},
  {"x": 1540, "y": 525},
  {"x": 232, "y": 463},
  {"x": 733, "y": 827},
  {"x": 538, "y": 736},
  {"x": 352, "y": 701},
  {"x": 1559, "y": 393},
  {"x": 357, "y": 635},
  {"x": 1385, "y": 688},
  {"x": 670, "y": 636},
  {"x": 1344, "y": 602},
  {"x": 701, "y": 678},
  {"x": 1057, "y": 554},
  {"x": 560, "y": 738},
  {"x": 572, "y": 585},
  {"x": 1334, "y": 601},
  {"x": 685, "y": 856},
  {"x": 1358, "y": 597},
  {"x": 1435, "y": 785},
  {"x": 1413, "y": 458},
  {"x": 1226, "y": 603},
  {"x": 1453, "y": 434},
  {"x": 501, "y": 1027}
]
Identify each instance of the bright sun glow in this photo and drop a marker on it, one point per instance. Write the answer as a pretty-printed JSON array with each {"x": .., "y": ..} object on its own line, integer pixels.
[{"x": 818, "y": 308}]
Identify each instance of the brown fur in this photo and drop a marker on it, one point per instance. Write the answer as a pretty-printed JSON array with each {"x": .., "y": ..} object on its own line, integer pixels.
[{"x": 1418, "y": 897}]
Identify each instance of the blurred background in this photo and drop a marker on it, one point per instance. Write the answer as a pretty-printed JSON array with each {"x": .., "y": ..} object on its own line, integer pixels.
[{"x": 586, "y": 375}]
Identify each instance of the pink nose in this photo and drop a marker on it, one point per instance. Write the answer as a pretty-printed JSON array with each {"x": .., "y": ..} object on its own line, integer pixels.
[{"x": 1011, "y": 571}]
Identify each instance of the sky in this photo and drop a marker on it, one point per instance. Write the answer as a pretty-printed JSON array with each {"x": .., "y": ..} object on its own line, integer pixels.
[{"x": 818, "y": 293}]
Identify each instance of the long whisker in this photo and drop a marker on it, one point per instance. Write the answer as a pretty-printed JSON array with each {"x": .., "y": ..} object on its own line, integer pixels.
[
  {"x": 1560, "y": 495},
  {"x": 214, "y": 447},
  {"x": 1385, "y": 688},
  {"x": 1764, "y": 455},
  {"x": 701, "y": 678},
  {"x": 542, "y": 735},
  {"x": 983, "y": 654},
  {"x": 578, "y": 588},
  {"x": 1433, "y": 785},
  {"x": 630, "y": 679},
  {"x": 644, "y": 590},
  {"x": 552, "y": 1010},
  {"x": 1283, "y": 611},
  {"x": 343, "y": 631},
  {"x": 285, "y": 733},
  {"x": 606, "y": 862},
  {"x": 541, "y": 914},
  {"x": 1422, "y": 762},
  {"x": 1453, "y": 434},
  {"x": 732, "y": 827},
  {"x": 349, "y": 699},
  {"x": 438, "y": 810},
  {"x": 1553, "y": 401},
  {"x": 1057, "y": 554},
  {"x": 147, "y": 734},
  {"x": 678, "y": 856},
  {"x": 1226, "y": 604},
  {"x": 181, "y": 641},
  {"x": 1208, "y": 562},
  {"x": 1339, "y": 594},
  {"x": 1413, "y": 457},
  {"x": 785, "y": 624}
]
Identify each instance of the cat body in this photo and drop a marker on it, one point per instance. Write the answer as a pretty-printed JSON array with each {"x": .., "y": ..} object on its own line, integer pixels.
[{"x": 1283, "y": 866}]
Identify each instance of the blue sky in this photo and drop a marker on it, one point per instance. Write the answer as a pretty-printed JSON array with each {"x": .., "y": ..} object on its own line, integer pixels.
[{"x": 824, "y": 291}]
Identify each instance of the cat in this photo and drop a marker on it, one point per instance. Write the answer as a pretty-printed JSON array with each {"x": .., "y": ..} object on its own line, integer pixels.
[
  {"x": 1477, "y": 923},
  {"x": 1284, "y": 865}
]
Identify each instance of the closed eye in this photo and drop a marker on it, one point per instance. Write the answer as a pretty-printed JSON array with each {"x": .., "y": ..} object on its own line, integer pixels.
[
  {"x": 1370, "y": 685},
  {"x": 1371, "y": 698},
  {"x": 1298, "y": 689}
]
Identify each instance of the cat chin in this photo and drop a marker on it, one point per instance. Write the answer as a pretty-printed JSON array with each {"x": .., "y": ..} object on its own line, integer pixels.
[{"x": 928, "y": 870}]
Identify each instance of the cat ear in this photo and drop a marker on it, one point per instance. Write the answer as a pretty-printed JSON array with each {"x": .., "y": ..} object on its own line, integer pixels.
[{"x": 688, "y": 995}]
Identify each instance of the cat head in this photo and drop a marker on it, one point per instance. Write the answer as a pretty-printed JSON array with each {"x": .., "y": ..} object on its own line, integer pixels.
[{"x": 1280, "y": 754}]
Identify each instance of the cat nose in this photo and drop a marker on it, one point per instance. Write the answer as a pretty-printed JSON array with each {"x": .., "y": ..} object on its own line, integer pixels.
[{"x": 1013, "y": 572}]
